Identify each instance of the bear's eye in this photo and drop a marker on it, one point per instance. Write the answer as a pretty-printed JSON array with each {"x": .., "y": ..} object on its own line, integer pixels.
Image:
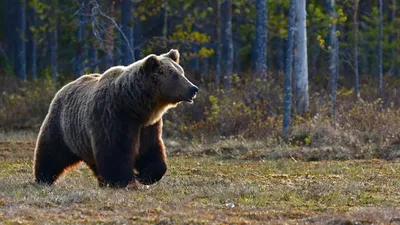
[{"x": 175, "y": 76}]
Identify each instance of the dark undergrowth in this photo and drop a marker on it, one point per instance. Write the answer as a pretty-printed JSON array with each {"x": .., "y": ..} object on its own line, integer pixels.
[{"x": 249, "y": 113}]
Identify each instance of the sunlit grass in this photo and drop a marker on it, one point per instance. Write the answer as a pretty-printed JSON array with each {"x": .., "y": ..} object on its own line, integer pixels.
[
  {"x": 18, "y": 135},
  {"x": 206, "y": 189}
]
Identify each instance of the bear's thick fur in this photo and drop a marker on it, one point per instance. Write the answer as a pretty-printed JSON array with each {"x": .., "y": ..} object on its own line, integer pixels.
[{"x": 113, "y": 122}]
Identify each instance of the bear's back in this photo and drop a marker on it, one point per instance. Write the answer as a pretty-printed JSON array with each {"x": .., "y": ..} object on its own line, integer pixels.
[
  {"x": 73, "y": 103},
  {"x": 112, "y": 73}
]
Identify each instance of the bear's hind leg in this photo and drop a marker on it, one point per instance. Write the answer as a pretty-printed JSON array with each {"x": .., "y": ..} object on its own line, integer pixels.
[
  {"x": 52, "y": 157},
  {"x": 93, "y": 168}
]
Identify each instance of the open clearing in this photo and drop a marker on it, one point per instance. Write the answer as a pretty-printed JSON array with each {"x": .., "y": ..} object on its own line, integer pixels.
[{"x": 204, "y": 189}]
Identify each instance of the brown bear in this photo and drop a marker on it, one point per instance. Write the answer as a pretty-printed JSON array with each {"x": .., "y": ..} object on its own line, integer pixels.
[{"x": 113, "y": 122}]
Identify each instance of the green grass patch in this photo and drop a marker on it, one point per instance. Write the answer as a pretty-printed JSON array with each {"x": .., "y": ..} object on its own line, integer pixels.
[{"x": 207, "y": 189}]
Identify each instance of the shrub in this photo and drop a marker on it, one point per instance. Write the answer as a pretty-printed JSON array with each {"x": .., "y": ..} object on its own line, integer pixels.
[
  {"x": 23, "y": 105},
  {"x": 251, "y": 110}
]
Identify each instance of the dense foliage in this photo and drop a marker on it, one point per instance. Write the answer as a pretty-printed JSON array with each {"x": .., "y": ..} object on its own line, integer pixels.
[
  {"x": 64, "y": 39},
  {"x": 191, "y": 27}
]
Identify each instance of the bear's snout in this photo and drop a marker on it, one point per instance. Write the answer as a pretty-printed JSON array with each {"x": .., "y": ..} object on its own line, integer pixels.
[
  {"x": 189, "y": 94},
  {"x": 193, "y": 91}
]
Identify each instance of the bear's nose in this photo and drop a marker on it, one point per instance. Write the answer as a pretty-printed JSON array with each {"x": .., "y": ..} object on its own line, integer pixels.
[{"x": 194, "y": 90}]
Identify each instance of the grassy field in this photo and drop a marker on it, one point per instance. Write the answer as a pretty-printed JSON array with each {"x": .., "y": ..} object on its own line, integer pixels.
[{"x": 204, "y": 189}]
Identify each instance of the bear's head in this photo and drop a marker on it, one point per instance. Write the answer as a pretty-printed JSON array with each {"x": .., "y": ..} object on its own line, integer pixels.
[{"x": 168, "y": 76}]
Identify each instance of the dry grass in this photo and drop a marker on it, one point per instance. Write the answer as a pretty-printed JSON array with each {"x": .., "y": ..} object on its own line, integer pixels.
[
  {"x": 206, "y": 188},
  {"x": 18, "y": 136}
]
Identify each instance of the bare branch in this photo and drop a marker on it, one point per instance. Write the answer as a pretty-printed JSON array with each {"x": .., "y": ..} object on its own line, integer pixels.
[
  {"x": 96, "y": 10},
  {"x": 100, "y": 22}
]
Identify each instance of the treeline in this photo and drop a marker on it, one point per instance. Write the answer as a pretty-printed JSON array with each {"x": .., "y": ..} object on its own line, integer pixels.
[
  {"x": 316, "y": 44},
  {"x": 62, "y": 38}
]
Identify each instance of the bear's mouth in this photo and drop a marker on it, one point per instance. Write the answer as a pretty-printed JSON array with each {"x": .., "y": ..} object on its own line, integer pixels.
[{"x": 186, "y": 99}]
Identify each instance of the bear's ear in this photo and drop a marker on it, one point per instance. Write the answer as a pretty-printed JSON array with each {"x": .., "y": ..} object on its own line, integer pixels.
[
  {"x": 173, "y": 54},
  {"x": 151, "y": 63}
]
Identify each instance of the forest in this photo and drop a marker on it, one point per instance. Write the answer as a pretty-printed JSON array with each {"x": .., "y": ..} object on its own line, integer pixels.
[{"x": 300, "y": 97}]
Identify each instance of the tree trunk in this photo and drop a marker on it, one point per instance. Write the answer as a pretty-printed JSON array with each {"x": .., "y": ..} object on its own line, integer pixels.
[
  {"x": 237, "y": 59},
  {"x": 53, "y": 52},
  {"x": 301, "y": 66},
  {"x": 281, "y": 44},
  {"x": 261, "y": 39},
  {"x": 32, "y": 46},
  {"x": 165, "y": 28},
  {"x": 10, "y": 30},
  {"x": 195, "y": 62},
  {"x": 93, "y": 55},
  {"x": 53, "y": 41},
  {"x": 218, "y": 45},
  {"x": 128, "y": 56},
  {"x": 85, "y": 21},
  {"x": 137, "y": 35},
  {"x": 363, "y": 63},
  {"x": 20, "y": 60},
  {"x": 204, "y": 67},
  {"x": 117, "y": 51},
  {"x": 228, "y": 43},
  {"x": 138, "y": 39},
  {"x": 356, "y": 75},
  {"x": 287, "y": 100},
  {"x": 334, "y": 59},
  {"x": 392, "y": 38},
  {"x": 92, "y": 51},
  {"x": 79, "y": 59},
  {"x": 380, "y": 75},
  {"x": 109, "y": 36}
]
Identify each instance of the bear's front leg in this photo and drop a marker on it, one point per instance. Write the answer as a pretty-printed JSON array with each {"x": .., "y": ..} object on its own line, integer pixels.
[
  {"x": 115, "y": 154},
  {"x": 151, "y": 162}
]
